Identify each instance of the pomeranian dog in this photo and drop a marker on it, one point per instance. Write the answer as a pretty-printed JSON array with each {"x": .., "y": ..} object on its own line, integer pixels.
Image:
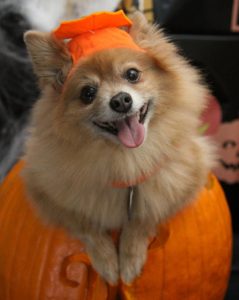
[{"x": 115, "y": 145}]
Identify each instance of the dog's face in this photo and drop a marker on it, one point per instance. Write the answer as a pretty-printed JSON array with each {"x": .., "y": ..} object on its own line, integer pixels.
[
  {"x": 113, "y": 94},
  {"x": 119, "y": 94}
]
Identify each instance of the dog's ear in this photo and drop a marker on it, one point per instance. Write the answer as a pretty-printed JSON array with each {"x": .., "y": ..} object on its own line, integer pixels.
[
  {"x": 151, "y": 38},
  {"x": 50, "y": 57},
  {"x": 140, "y": 28},
  {"x": 188, "y": 84}
]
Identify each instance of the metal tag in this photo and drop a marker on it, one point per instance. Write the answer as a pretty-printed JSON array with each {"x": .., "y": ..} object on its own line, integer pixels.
[{"x": 130, "y": 202}]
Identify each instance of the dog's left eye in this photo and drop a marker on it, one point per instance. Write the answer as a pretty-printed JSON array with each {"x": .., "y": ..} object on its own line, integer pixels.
[
  {"x": 132, "y": 75},
  {"x": 88, "y": 94}
]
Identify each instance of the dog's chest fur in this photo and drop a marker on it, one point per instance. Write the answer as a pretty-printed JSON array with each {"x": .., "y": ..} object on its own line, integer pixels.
[{"x": 77, "y": 184}]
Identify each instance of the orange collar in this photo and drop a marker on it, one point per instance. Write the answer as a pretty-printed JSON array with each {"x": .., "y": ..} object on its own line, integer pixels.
[{"x": 142, "y": 178}]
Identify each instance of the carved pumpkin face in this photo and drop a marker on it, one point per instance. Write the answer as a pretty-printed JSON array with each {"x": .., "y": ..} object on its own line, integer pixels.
[
  {"x": 228, "y": 139},
  {"x": 226, "y": 135}
]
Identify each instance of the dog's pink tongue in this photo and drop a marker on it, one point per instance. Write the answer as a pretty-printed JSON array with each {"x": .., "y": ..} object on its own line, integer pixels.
[{"x": 131, "y": 132}]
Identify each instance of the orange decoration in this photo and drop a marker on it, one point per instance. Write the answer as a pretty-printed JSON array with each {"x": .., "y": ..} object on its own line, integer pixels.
[
  {"x": 96, "y": 32},
  {"x": 188, "y": 260},
  {"x": 96, "y": 21}
]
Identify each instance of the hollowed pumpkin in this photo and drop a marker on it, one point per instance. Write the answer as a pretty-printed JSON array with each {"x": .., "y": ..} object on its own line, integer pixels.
[{"x": 188, "y": 260}]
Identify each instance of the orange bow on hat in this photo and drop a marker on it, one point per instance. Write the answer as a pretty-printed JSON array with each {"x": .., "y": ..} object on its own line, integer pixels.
[{"x": 96, "y": 32}]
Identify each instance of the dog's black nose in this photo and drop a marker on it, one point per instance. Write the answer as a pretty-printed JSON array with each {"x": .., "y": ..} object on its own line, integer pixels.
[{"x": 122, "y": 102}]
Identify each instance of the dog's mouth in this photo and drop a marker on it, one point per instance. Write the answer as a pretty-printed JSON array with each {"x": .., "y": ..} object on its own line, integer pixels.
[{"x": 130, "y": 130}]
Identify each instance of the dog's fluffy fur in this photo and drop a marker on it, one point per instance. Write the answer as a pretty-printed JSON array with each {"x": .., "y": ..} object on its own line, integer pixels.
[{"x": 70, "y": 163}]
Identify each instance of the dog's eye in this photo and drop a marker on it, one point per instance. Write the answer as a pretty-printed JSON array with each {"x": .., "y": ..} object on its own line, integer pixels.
[
  {"x": 132, "y": 75},
  {"x": 88, "y": 94}
]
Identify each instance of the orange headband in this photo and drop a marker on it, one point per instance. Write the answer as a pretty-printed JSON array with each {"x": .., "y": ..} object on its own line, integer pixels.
[{"x": 96, "y": 32}]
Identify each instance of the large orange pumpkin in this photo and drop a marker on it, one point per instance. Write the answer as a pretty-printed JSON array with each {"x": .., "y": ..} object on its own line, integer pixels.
[{"x": 188, "y": 260}]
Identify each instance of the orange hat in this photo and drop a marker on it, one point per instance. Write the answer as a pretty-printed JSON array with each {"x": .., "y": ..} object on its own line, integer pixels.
[{"x": 96, "y": 32}]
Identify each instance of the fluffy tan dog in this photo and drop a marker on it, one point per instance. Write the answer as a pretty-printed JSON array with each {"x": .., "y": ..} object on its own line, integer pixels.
[{"x": 123, "y": 118}]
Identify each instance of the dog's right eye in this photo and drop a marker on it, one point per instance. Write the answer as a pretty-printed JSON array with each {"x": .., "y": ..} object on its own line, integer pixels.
[
  {"x": 132, "y": 75},
  {"x": 88, "y": 94}
]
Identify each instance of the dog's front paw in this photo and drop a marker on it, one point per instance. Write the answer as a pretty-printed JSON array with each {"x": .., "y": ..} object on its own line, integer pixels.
[
  {"x": 108, "y": 268},
  {"x": 132, "y": 260},
  {"x": 104, "y": 260}
]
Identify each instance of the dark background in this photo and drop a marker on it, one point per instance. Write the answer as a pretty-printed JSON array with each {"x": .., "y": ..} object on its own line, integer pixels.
[{"x": 202, "y": 30}]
